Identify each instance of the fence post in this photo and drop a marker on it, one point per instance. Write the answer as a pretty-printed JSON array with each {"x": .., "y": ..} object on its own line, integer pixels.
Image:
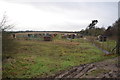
[{"x": 118, "y": 32}]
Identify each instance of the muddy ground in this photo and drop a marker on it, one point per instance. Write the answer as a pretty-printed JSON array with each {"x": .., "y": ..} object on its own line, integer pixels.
[{"x": 105, "y": 69}]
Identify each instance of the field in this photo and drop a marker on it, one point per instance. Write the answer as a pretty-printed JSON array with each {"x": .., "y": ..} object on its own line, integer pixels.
[{"x": 35, "y": 59}]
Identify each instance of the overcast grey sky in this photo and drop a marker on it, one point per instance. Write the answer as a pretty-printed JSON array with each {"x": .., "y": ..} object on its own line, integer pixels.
[{"x": 58, "y": 16}]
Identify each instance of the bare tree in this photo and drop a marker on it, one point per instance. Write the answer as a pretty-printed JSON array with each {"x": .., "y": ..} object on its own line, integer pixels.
[
  {"x": 8, "y": 43},
  {"x": 4, "y": 24}
]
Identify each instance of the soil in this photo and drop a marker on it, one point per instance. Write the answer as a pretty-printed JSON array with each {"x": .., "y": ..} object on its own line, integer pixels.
[{"x": 105, "y": 69}]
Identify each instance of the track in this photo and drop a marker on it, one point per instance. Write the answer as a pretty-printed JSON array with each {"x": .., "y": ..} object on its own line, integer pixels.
[{"x": 107, "y": 69}]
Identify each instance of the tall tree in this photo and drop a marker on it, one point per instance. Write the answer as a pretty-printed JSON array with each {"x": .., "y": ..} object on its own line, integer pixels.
[{"x": 92, "y": 25}]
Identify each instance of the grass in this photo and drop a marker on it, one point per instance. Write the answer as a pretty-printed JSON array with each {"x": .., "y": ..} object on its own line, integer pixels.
[
  {"x": 44, "y": 58},
  {"x": 106, "y": 45}
]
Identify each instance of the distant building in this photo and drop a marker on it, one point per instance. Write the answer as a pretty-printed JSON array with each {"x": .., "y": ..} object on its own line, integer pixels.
[
  {"x": 47, "y": 37},
  {"x": 102, "y": 38}
]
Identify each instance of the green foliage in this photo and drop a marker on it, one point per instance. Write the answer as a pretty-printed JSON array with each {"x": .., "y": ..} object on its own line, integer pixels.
[
  {"x": 113, "y": 30},
  {"x": 93, "y": 31}
]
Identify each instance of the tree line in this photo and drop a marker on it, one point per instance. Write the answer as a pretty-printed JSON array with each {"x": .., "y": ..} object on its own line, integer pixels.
[{"x": 93, "y": 30}]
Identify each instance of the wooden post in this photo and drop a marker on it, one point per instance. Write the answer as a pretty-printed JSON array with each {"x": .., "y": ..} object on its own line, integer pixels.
[
  {"x": 118, "y": 32},
  {"x": 118, "y": 41}
]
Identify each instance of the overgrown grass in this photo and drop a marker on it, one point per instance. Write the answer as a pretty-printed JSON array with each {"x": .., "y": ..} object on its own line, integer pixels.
[
  {"x": 108, "y": 45},
  {"x": 43, "y": 58}
]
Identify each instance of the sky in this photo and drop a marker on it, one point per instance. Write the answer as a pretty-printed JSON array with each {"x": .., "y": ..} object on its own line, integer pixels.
[{"x": 58, "y": 15}]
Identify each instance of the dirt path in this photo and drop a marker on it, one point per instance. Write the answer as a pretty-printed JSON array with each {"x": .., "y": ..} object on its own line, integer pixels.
[{"x": 104, "y": 69}]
